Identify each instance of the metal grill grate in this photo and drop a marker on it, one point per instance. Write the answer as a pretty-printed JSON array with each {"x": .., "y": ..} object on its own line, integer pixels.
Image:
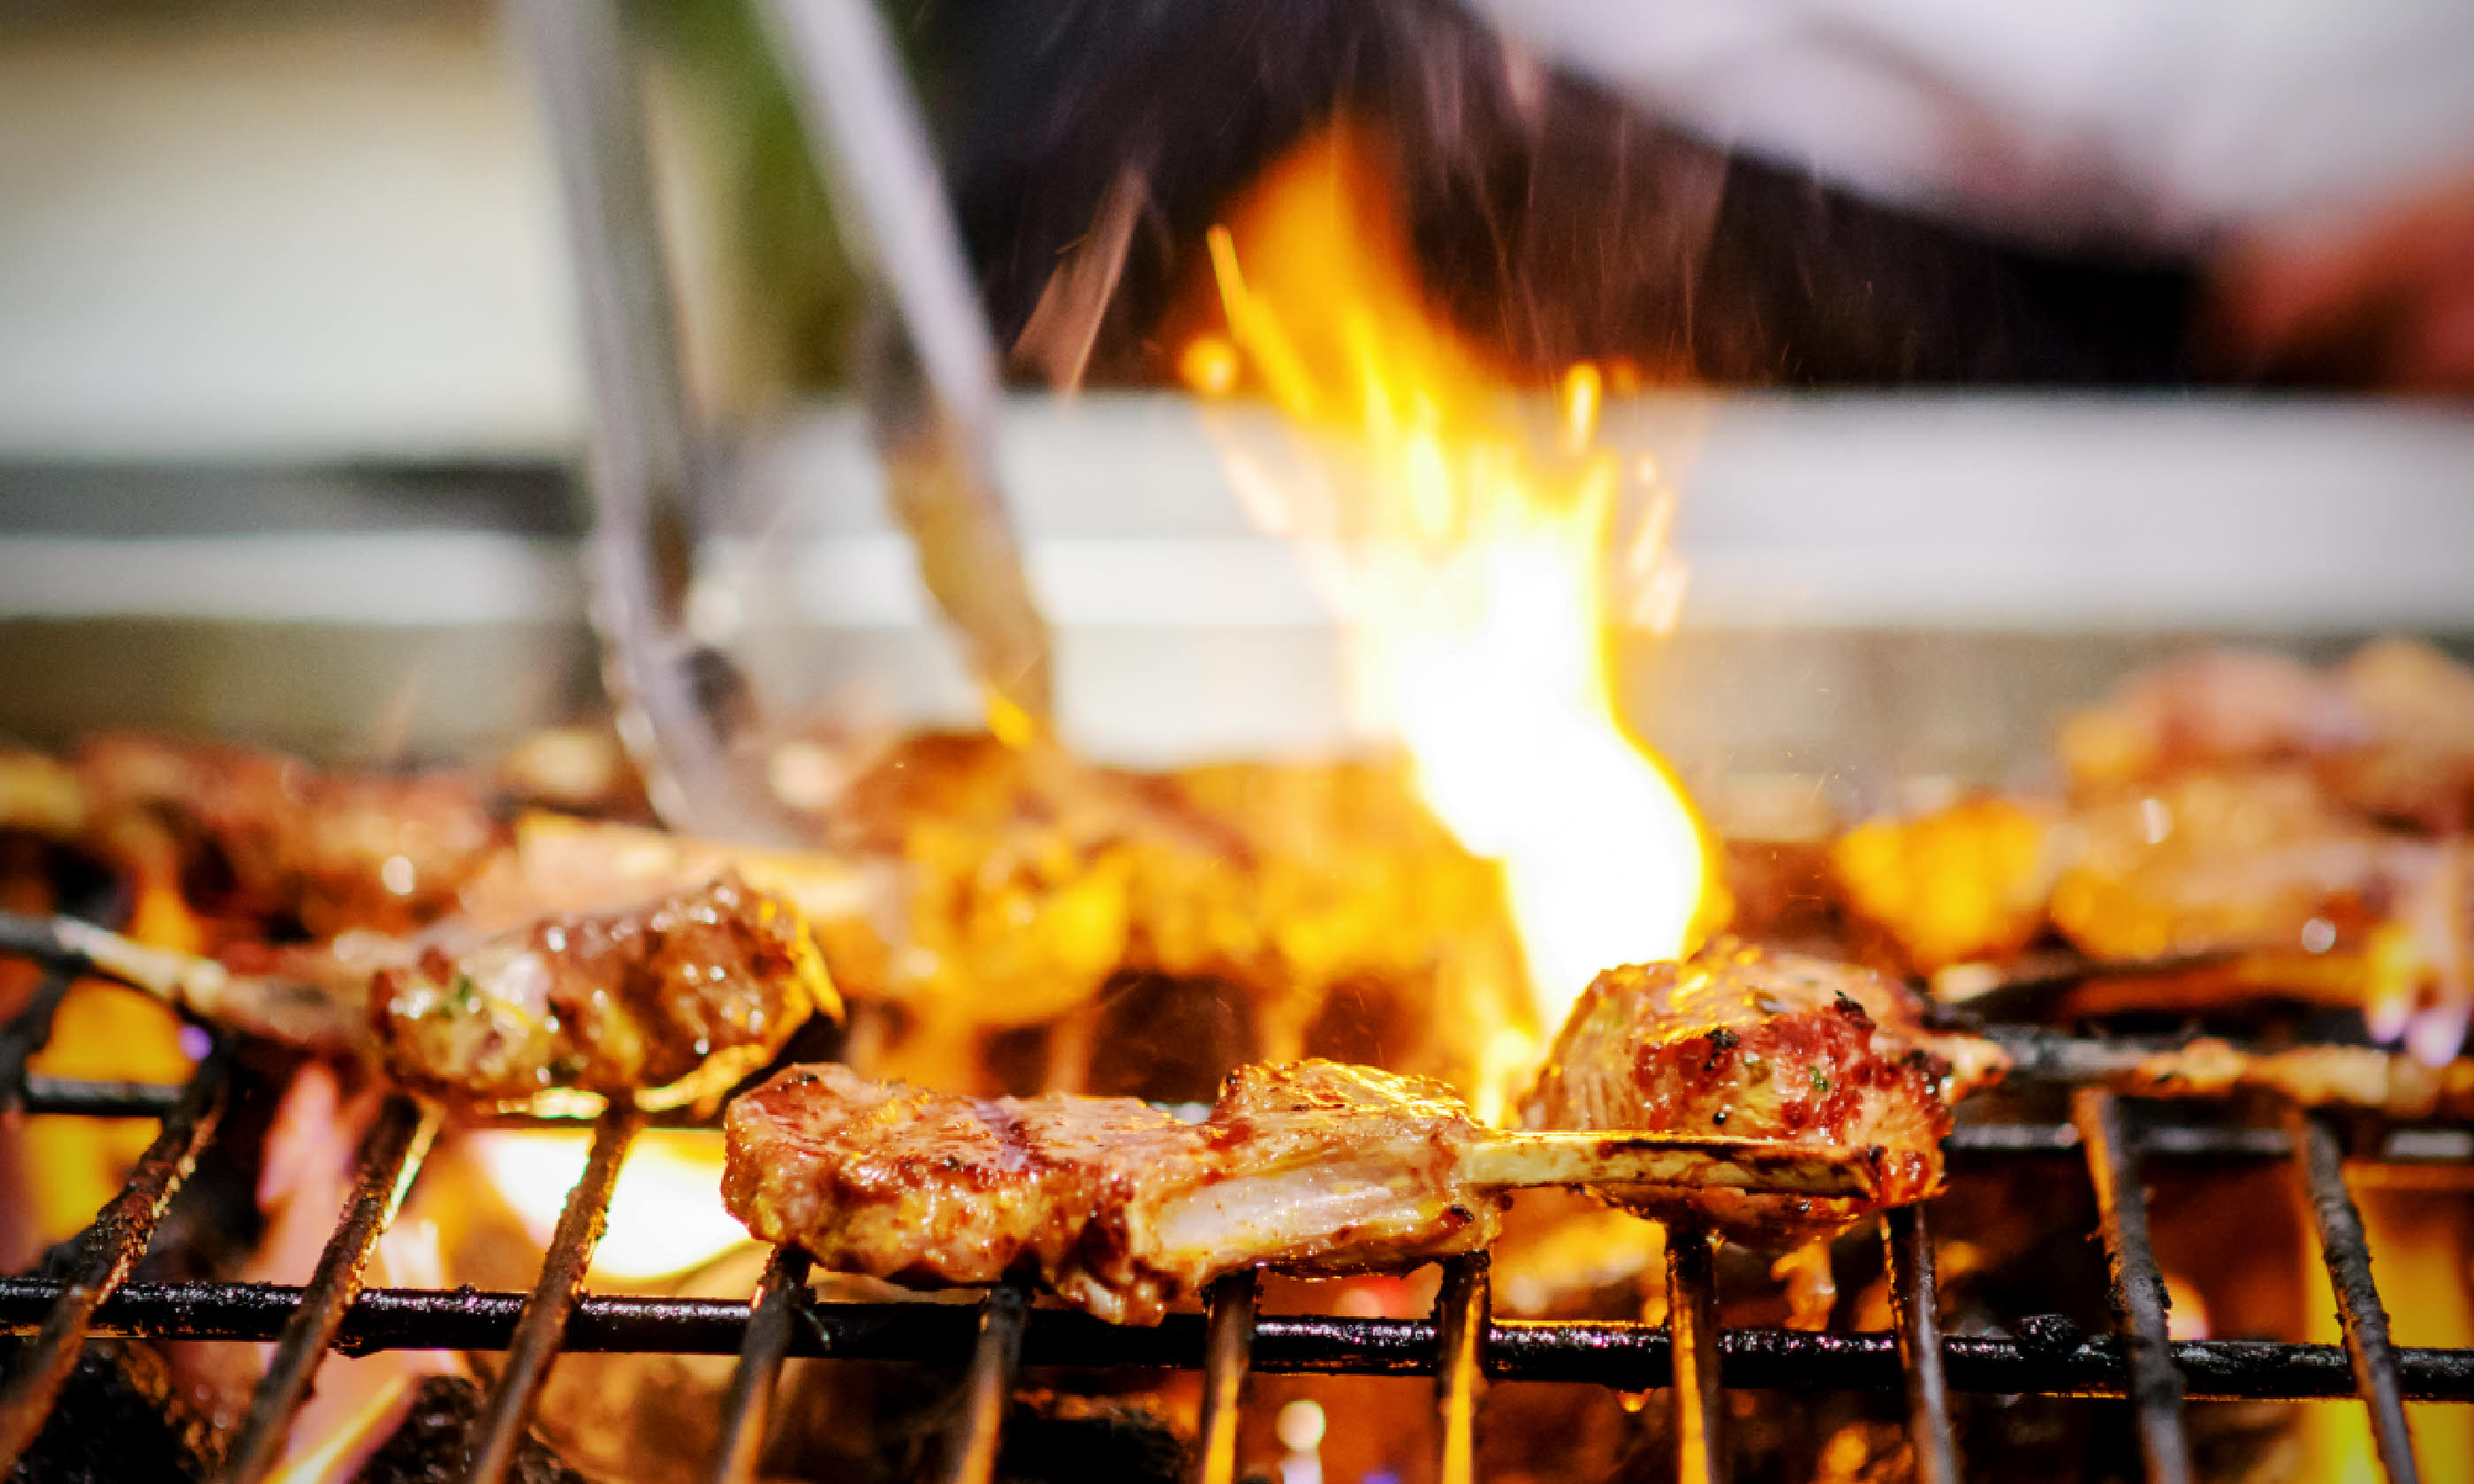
[{"x": 1461, "y": 1345}]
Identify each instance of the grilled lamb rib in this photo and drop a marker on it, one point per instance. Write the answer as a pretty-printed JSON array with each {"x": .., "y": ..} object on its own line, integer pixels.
[
  {"x": 1793, "y": 1051},
  {"x": 1314, "y": 1167},
  {"x": 1122, "y": 1207}
]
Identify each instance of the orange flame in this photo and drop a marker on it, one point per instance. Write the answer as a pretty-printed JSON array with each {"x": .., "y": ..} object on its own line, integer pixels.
[
  {"x": 110, "y": 1033},
  {"x": 1466, "y": 542}
]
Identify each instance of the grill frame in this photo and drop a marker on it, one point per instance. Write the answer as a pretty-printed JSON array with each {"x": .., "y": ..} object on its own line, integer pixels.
[{"x": 1461, "y": 1345}]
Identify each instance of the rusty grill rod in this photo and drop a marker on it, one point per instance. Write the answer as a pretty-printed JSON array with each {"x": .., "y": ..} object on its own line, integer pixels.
[
  {"x": 543, "y": 1322},
  {"x": 2138, "y": 1286},
  {"x": 103, "y": 1099},
  {"x": 772, "y": 1313},
  {"x": 86, "y": 1098},
  {"x": 105, "y": 1253},
  {"x": 1461, "y": 1347},
  {"x": 1463, "y": 1306},
  {"x": 389, "y": 1159},
  {"x": 1916, "y": 1299},
  {"x": 1694, "y": 1356},
  {"x": 1626, "y": 1356},
  {"x": 2319, "y": 1164},
  {"x": 988, "y": 1389},
  {"x": 29, "y": 1032},
  {"x": 1227, "y": 1357}
]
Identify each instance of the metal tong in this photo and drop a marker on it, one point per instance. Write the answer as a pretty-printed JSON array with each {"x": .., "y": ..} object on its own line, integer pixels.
[{"x": 932, "y": 389}]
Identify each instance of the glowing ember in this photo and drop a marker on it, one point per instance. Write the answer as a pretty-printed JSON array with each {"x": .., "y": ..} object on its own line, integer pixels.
[
  {"x": 664, "y": 1218},
  {"x": 1467, "y": 551}
]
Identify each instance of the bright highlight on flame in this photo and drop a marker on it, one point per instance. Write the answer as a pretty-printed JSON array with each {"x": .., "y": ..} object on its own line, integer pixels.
[
  {"x": 665, "y": 1216},
  {"x": 1467, "y": 548}
]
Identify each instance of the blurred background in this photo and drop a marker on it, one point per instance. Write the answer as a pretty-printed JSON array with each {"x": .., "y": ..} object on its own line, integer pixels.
[{"x": 1985, "y": 355}]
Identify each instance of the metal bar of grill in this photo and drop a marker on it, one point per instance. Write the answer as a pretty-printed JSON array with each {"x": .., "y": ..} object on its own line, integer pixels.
[
  {"x": 2138, "y": 1286},
  {"x": 1227, "y": 1357},
  {"x": 1694, "y": 1356},
  {"x": 107, "y": 1252},
  {"x": 1460, "y": 1347},
  {"x": 1913, "y": 1295},
  {"x": 1463, "y": 1307},
  {"x": 390, "y": 1156},
  {"x": 1626, "y": 1356},
  {"x": 542, "y": 1324},
  {"x": 772, "y": 1315},
  {"x": 2320, "y": 1165},
  {"x": 108, "y": 1099},
  {"x": 996, "y": 1361},
  {"x": 84, "y": 1098},
  {"x": 27, "y": 1034}
]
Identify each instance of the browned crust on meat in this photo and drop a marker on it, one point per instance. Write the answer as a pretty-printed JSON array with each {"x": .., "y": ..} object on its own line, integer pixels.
[
  {"x": 1313, "y": 1167},
  {"x": 1756, "y": 1045},
  {"x": 670, "y": 1000}
]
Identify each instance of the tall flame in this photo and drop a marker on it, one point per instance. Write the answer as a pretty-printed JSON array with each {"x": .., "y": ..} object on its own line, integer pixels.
[{"x": 1465, "y": 539}]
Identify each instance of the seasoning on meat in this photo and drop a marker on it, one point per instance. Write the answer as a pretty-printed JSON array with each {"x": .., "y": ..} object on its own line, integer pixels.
[
  {"x": 671, "y": 1001},
  {"x": 1314, "y": 1167},
  {"x": 1791, "y": 1051},
  {"x": 332, "y": 851}
]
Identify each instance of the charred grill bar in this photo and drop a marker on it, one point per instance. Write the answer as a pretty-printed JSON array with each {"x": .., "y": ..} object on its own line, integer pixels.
[
  {"x": 542, "y": 1324},
  {"x": 1461, "y": 1345},
  {"x": 2138, "y": 1286},
  {"x": 772, "y": 1315},
  {"x": 1696, "y": 1363},
  {"x": 996, "y": 1364},
  {"x": 1623, "y": 1356},
  {"x": 1228, "y": 1354},
  {"x": 1908, "y": 1244},
  {"x": 389, "y": 1158},
  {"x": 1462, "y": 1309},
  {"x": 108, "y": 1250},
  {"x": 2319, "y": 1164}
]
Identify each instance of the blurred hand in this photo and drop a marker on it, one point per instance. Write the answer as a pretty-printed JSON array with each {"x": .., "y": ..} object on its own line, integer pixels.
[{"x": 2384, "y": 298}]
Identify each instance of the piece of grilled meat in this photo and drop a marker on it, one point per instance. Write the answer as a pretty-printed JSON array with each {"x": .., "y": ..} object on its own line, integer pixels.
[
  {"x": 1314, "y": 1167},
  {"x": 282, "y": 840},
  {"x": 668, "y": 1001},
  {"x": 1741, "y": 1042}
]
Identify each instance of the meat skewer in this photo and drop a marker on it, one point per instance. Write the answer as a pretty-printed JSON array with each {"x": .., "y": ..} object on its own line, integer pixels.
[
  {"x": 1314, "y": 1167},
  {"x": 1770, "y": 1099},
  {"x": 2360, "y": 1078},
  {"x": 1795, "y": 1051},
  {"x": 666, "y": 1002}
]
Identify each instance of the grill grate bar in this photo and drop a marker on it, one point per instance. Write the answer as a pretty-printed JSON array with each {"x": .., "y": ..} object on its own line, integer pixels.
[
  {"x": 1908, "y": 1249},
  {"x": 84, "y": 1098},
  {"x": 2320, "y": 1167},
  {"x": 1626, "y": 1356},
  {"x": 996, "y": 1363},
  {"x": 781, "y": 1295},
  {"x": 101, "y": 1099},
  {"x": 29, "y": 1033},
  {"x": 107, "y": 1252},
  {"x": 37, "y": 937},
  {"x": 543, "y": 1322},
  {"x": 1462, "y": 1309},
  {"x": 1694, "y": 1356},
  {"x": 390, "y": 1157},
  {"x": 1228, "y": 1355},
  {"x": 2138, "y": 1286}
]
